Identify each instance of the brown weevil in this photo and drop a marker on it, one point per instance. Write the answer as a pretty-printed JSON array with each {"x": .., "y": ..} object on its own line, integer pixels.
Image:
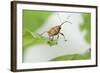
[{"x": 55, "y": 31}]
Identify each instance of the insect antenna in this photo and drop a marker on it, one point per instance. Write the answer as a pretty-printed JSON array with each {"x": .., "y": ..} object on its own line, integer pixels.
[
  {"x": 58, "y": 15},
  {"x": 65, "y": 22}
]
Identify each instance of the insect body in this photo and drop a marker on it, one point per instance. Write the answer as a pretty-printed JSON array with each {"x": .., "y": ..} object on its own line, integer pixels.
[{"x": 55, "y": 31}]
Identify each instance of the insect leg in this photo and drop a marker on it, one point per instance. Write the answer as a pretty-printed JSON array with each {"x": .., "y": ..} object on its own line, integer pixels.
[
  {"x": 57, "y": 36},
  {"x": 52, "y": 38},
  {"x": 43, "y": 32},
  {"x": 63, "y": 36}
]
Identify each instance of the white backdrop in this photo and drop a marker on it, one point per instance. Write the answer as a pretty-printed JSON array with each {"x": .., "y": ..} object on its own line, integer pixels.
[{"x": 5, "y": 37}]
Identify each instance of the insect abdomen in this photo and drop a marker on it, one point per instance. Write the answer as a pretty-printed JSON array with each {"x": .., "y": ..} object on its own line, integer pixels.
[{"x": 53, "y": 31}]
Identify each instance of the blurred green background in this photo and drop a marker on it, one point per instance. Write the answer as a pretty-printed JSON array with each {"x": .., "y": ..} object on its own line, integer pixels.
[
  {"x": 33, "y": 20},
  {"x": 86, "y": 26}
]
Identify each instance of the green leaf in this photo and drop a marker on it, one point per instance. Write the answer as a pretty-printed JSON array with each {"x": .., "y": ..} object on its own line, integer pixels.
[
  {"x": 35, "y": 38},
  {"x": 33, "y": 20},
  {"x": 52, "y": 42},
  {"x": 72, "y": 57},
  {"x": 86, "y": 26}
]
